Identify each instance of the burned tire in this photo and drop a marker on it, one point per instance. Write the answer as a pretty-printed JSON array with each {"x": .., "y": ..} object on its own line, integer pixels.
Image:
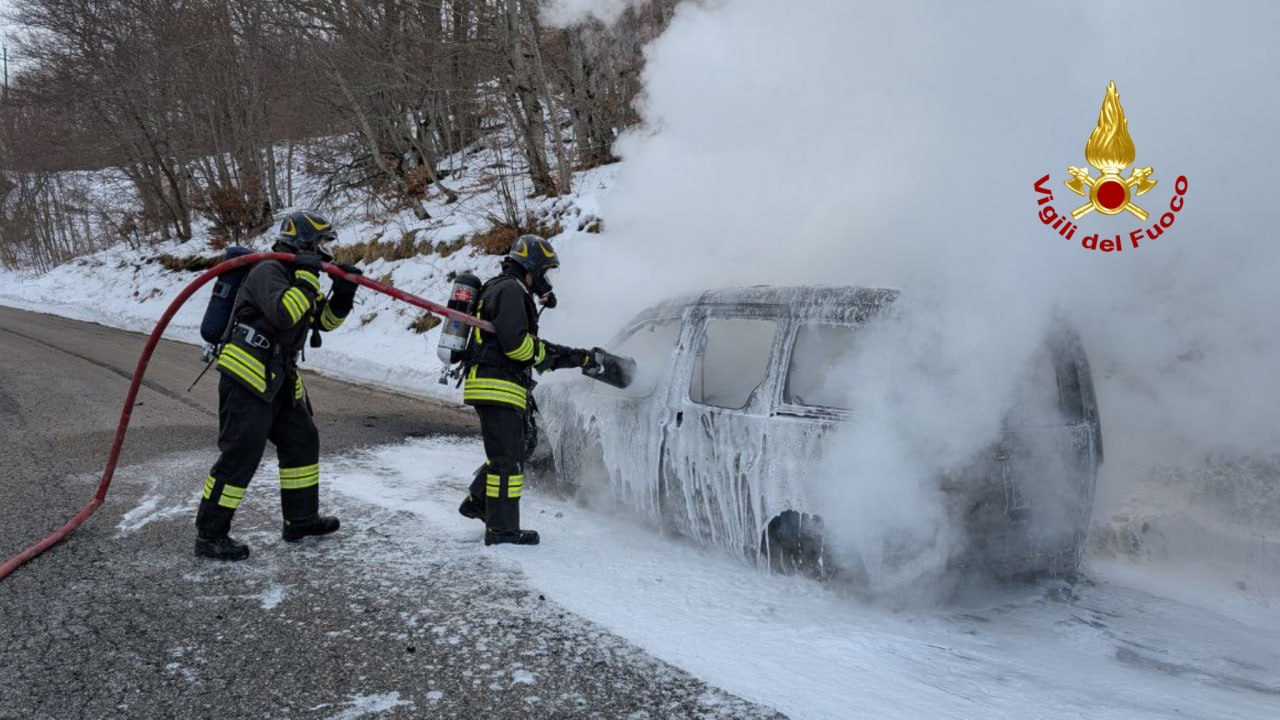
[
  {"x": 792, "y": 543},
  {"x": 579, "y": 468}
]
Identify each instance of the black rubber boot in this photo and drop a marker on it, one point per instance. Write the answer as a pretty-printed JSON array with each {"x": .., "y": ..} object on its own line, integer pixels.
[
  {"x": 317, "y": 525},
  {"x": 515, "y": 537},
  {"x": 502, "y": 523},
  {"x": 472, "y": 508},
  {"x": 222, "y": 548}
]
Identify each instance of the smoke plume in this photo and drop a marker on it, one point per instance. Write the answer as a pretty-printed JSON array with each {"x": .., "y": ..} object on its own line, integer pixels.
[{"x": 896, "y": 144}]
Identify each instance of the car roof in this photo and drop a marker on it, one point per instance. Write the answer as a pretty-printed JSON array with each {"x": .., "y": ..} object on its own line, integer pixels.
[{"x": 846, "y": 304}]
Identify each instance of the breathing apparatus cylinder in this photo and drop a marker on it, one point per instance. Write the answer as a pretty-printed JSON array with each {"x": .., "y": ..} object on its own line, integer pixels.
[
  {"x": 453, "y": 337},
  {"x": 217, "y": 314}
]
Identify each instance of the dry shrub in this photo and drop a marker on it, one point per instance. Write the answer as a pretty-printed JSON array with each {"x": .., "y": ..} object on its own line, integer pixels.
[
  {"x": 496, "y": 240},
  {"x": 191, "y": 263},
  {"x": 424, "y": 323},
  {"x": 444, "y": 250},
  {"x": 543, "y": 227},
  {"x": 406, "y": 247},
  {"x": 236, "y": 212},
  {"x": 219, "y": 242},
  {"x": 417, "y": 181},
  {"x": 387, "y": 280}
]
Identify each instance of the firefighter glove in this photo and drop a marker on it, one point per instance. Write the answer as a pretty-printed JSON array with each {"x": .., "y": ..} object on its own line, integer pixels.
[
  {"x": 343, "y": 287},
  {"x": 551, "y": 361},
  {"x": 581, "y": 358},
  {"x": 566, "y": 358}
]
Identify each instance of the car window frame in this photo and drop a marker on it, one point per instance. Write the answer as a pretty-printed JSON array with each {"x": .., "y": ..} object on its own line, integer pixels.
[
  {"x": 788, "y": 409},
  {"x": 759, "y": 401},
  {"x": 680, "y": 321}
]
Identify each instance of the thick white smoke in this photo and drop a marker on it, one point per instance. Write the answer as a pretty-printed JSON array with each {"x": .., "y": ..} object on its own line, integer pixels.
[{"x": 896, "y": 144}]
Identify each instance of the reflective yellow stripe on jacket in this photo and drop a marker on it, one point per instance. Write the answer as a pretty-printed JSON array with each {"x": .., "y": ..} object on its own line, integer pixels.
[
  {"x": 329, "y": 321},
  {"x": 494, "y": 391},
  {"x": 295, "y": 303},
  {"x": 239, "y": 362},
  {"x": 528, "y": 349}
]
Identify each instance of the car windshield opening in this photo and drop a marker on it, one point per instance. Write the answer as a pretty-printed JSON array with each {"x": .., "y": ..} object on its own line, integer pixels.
[{"x": 650, "y": 345}]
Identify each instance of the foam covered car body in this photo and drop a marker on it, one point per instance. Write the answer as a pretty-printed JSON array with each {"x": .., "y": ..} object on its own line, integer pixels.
[{"x": 723, "y": 429}]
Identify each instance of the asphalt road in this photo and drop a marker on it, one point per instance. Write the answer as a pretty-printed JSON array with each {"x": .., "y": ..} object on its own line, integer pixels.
[{"x": 121, "y": 620}]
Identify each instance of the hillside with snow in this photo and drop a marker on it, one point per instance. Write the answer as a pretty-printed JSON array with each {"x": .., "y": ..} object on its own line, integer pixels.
[{"x": 130, "y": 286}]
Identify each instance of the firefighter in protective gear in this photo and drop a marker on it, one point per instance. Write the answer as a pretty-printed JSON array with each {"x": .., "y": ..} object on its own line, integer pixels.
[
  {"x": 261, "y": 396},
  {"x": 498, "y": 379}
]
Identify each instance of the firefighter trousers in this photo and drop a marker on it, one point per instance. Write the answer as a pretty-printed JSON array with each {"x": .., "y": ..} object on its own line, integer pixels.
[
  {"x": 500, "y": 480},
  {"x": 245, "y": 424}
]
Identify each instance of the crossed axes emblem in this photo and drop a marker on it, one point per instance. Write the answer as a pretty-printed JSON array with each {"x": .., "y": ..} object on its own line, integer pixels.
[{"x": 1140, "y": 177}]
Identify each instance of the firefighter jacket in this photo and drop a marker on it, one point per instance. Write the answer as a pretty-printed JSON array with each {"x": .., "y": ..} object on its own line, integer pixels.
[
  {"x": 501, "y": 361},
  {"x": 274, "y": 309}
]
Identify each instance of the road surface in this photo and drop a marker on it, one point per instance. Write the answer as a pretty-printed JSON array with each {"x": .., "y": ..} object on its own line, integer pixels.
[{"x": 121, "y": 620}]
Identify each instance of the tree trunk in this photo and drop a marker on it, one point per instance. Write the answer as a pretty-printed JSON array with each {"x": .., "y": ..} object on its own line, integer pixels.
[{"x": 525, "y": 105}]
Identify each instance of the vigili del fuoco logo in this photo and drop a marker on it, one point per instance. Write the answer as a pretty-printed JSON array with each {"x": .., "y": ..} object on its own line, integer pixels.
[{"x": 1110, "y": 150}]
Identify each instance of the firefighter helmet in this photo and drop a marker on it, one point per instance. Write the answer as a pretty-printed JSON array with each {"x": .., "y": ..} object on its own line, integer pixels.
[
  {"x": 305, "y": 231},
  {"x": 534, "y": 254}
]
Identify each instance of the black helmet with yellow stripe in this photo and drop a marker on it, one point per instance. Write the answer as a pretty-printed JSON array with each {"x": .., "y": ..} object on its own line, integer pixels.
[
  {"x": 305, "y": 231},
  {"x": 534, "y": 254}
]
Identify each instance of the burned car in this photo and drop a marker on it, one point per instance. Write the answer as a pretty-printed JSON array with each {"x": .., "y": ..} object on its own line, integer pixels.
[{"x": 725, "y": 416}]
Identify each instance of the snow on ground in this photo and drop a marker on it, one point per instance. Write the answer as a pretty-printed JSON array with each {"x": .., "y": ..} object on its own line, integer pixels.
[
  {"x": 366, "y": 705},
  {"x": 1126, "y": 644}
]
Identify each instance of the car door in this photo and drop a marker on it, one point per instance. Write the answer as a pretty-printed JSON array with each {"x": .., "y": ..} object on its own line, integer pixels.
[
  {"x": 811, "y": 400},
  {"x": 713, "y": 434},
  {"x": 625, "y": 421}
]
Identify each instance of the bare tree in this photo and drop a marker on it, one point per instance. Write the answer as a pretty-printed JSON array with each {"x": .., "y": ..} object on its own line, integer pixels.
[{"x": 202, "y": 104}]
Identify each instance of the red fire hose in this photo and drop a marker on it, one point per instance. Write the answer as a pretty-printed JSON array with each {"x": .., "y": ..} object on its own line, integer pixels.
[{"x": 18, "y": 560}]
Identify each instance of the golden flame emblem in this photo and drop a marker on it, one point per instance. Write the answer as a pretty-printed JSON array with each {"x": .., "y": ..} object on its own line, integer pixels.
[{"x": 1110, "y": 150}]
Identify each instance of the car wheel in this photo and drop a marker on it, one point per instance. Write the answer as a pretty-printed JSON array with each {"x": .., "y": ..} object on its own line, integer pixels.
[
  {"x": 792, "y": 543},
  {"x": 581, "y": 474}
]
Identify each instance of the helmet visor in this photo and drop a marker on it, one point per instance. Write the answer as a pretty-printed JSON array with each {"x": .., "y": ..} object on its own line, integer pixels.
[{"x": 542, "y": 282}]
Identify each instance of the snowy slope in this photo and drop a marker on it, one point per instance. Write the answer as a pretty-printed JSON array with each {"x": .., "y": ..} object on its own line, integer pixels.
[{"x": 127, "y": 288}]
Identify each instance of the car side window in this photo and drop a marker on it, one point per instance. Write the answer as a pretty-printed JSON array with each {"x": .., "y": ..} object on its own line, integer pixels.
[
  {"x": 650, "y": 345},
  {"x": 732, "y": 361},
  {"x": 812, "y": 376}
]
